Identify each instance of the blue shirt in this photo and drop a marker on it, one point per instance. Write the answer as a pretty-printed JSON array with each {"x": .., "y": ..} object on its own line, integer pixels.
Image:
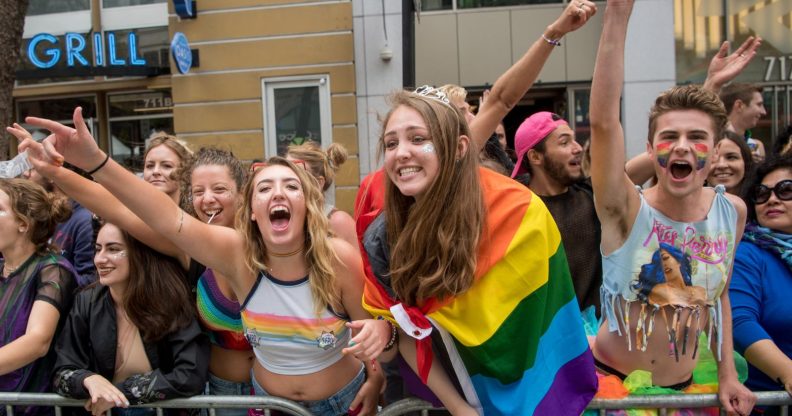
[{"x": 760, "y": 290}]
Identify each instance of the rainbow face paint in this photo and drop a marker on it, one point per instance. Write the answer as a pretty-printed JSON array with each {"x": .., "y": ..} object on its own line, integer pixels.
[
  {"x": 702, "y": 154},
  {"x": 662, "y": 153}
]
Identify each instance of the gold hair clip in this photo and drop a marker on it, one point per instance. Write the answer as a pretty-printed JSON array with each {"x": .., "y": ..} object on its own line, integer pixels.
[{"x": 433, "y": 93}]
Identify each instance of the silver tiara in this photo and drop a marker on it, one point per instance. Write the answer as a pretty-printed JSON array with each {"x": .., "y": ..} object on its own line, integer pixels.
[{"x": 433, "y": 93}]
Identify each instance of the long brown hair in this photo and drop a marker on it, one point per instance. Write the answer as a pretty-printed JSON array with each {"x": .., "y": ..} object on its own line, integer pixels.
[
  {"x": 156, "y": 299},
  {"x": 41, "y": 211},
  {"x": 433, "y": 249},
  {"x": 319, "y": 254}
]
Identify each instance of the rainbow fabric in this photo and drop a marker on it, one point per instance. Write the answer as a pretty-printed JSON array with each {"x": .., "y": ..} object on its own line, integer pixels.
[{"x": 516, "y": 337}]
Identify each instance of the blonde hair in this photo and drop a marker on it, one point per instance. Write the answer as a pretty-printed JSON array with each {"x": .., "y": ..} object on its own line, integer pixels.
[
  {"x": 455, "y": 93},
  {"x": 433, "y": 251},
  {"x": 319, "y": 253},
  {"x": 322, "y": 163},
  {"x": 185, "y": 156}
]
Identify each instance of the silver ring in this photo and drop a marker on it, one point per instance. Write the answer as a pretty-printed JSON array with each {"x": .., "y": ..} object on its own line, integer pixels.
[{"x": 742, "y": 55}]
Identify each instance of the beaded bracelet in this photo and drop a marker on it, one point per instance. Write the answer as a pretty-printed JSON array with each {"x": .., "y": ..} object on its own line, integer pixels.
[{"x": 394, "y": 334}]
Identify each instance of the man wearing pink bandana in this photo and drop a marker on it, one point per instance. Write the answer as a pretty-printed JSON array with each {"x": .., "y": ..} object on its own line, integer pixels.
[{"x": 549, "y": 162}]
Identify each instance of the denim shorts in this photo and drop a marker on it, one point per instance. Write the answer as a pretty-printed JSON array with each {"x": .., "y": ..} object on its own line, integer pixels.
[
  {"x": 337, "y": 404},
  {"x": 221, "y": 387}
]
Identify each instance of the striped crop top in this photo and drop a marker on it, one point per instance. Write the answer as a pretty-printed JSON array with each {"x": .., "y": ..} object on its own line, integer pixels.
[
  {"x": 285, "y": 332},
  {"x": 219, "y": 315}
]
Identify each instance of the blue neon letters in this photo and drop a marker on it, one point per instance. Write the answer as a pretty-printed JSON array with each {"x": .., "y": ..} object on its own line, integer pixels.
[{"x": 74, "y": 50}]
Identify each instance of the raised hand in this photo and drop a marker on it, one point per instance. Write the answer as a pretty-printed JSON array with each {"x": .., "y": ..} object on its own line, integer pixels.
[
  {"x": 75, "y": 145},
  {"x": 37, "y": 156},
  {"x": 724, "y": 67},
  {"x": 574, "y": 16}
]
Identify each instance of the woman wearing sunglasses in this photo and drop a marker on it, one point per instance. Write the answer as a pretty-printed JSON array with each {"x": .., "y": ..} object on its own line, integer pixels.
[{"x": 762, "y": 281}]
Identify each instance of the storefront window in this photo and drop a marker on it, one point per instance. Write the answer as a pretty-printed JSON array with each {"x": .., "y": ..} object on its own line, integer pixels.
[
  {"x": 39, "y": 7},
  {"x": 58, "y": 109},
  {"x": 124, "y": 3},
  {"x": 133, "y": 119},
  {"x": 701, "y": 26}
]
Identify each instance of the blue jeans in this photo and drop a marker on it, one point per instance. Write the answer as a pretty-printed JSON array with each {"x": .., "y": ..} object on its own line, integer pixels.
[
  {"x": 337, "y": 404},
  {"x": 221, "y": 387}
]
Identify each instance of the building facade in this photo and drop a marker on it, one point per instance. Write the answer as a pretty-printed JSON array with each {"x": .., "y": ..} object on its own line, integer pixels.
[{"x": 267, "y": 73}]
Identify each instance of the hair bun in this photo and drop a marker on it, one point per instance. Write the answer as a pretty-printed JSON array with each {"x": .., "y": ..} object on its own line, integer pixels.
[
  {"x": 61, "y": 208},
  {"x": 336, "y": 155}
]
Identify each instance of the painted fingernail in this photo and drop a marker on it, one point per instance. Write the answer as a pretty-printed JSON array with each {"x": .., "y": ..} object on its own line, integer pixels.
[{"x": 352, "y": 343}]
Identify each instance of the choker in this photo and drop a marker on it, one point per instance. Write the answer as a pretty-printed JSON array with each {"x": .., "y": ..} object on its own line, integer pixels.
[{"x": 289, "y": 254}]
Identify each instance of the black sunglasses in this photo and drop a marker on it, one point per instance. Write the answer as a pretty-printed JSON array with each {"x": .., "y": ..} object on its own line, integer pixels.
[{"x": 783, "y": 191}]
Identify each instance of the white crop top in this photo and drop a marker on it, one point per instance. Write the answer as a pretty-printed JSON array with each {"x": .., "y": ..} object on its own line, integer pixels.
[{"x": 286, "y": 334}]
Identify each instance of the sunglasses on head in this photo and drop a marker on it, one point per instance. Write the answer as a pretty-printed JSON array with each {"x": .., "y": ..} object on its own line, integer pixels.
[{"x": 782, "y": 190}]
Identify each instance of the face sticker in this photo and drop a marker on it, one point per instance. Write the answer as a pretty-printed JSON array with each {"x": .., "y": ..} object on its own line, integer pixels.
[
  {"x": 702, "y": 153},
  {"x": 662, "y": 152},
  {"x": 428, "y": 148}
]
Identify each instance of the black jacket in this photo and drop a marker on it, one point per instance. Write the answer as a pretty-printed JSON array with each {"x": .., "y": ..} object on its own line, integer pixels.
[{"x": 87, "y": 346}]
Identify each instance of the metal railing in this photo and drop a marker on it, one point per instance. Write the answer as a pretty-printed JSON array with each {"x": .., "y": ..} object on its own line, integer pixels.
[
  {"x": 267, "y": 403},
  {"x": 660, "y": 402}
]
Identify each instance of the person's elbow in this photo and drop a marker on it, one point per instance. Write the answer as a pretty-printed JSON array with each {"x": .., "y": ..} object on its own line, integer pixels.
[{"x": 39, "y": 345}]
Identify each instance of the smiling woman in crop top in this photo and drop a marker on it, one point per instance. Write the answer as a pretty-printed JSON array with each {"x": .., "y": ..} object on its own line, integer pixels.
[{"x": 282, "y": 230}]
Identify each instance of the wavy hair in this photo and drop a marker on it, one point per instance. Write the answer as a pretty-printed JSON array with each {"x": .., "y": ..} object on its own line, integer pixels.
[
  {"x": 41, "y": 211},
  {"x": 181, "y": 150},
  {"x": 318, "y": 252},
  {"x": 433, "y": 251},
  {"x": 210, "y": 156},
  {"x": 652, "y": 273},
  {"x": 157, "y": 299}
]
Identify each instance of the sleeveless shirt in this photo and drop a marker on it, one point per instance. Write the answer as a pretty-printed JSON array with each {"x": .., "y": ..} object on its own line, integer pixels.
[
  {"x": 684, "y": 265},
  {"x": 284, "y": 330}
]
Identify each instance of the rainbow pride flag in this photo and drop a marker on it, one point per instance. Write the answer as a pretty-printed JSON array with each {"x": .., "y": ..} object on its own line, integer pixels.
[{"x": 516, "y": 338}]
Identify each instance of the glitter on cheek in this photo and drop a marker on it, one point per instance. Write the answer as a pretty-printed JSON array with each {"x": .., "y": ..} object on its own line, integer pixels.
[
  {"x": 119, "y": 255},
  {"x": 702, "y": 154},
  {"x": 662, "y": 153},
  {"x": 4, "y": 213},
  {"x": 428, "y": 148}
]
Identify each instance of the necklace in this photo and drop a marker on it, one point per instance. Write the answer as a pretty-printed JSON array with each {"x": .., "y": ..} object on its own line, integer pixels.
[{"x": 289, "y": 254}]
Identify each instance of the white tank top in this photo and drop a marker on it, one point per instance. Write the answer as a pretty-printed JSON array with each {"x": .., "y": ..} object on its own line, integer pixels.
[{"x": 287, "y": 336}]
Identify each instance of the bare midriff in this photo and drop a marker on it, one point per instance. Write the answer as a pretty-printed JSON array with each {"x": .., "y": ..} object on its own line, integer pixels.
[
  {"x": 308, "y": 387},
  {"x": 659, "y": 358},
  {"x": 231, "y": 365}
]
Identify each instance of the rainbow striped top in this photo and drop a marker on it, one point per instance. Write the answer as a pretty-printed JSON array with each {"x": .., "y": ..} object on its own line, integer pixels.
[
  {"x": 515, "y": 338},
  {"x": 219, "y": 316}
]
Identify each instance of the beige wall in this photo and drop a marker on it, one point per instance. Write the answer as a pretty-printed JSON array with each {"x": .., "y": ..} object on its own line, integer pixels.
[
  {"x": 473, "y": 48},
  {"x": 242, "y": 41}
]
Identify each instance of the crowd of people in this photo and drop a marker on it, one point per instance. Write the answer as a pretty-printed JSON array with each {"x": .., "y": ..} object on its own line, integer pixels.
[{"x": 465, "y": 277}]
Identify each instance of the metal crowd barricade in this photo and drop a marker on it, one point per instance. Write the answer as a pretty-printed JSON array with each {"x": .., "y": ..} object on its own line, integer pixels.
[
  {"x": 266, "y": 403},
  {"x": 661, "y": 402},
  {"x": 402, "y": 407}
]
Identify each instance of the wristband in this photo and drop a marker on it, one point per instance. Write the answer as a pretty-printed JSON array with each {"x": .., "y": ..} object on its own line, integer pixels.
[
  {"x": 101, "y": 165},
  {"x": 554, "y": 42}
]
